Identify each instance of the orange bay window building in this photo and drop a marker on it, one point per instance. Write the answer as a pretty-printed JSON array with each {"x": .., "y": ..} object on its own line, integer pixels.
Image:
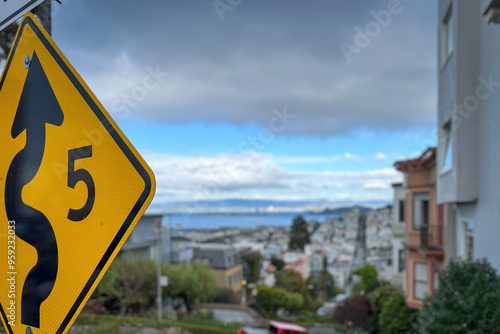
[{"x": 425, "y": 254}]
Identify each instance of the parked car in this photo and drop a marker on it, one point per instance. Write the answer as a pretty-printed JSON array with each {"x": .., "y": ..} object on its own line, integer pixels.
[{"x": 275, "y": 327}]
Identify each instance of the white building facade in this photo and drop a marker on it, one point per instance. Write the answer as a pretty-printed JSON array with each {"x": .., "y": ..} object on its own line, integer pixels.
[{"x": 469, "y": 127}]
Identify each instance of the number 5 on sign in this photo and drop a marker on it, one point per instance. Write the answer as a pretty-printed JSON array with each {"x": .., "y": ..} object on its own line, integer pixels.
[{"x": 80, "y": 175}]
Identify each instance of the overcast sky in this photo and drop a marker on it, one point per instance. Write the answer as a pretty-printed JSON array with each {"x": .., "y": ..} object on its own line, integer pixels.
[{"x": 299, "y": 100}]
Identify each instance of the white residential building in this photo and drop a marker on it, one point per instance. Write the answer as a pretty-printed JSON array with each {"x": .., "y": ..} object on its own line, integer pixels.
[
  {"x": 468, "y": 158},
  {"x": 398, "y": 236}
]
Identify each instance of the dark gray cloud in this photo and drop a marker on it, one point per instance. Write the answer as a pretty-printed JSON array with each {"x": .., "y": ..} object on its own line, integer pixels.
[{"x": 263, "y": 55}]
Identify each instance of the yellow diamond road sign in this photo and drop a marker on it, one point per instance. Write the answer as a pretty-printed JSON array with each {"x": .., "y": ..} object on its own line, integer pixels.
[{"x": 73, "y": 187}]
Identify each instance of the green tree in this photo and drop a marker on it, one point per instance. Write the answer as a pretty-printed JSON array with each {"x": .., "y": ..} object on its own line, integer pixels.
[
  {"x": 323, "y": 285},
  {"x": 295, "y": 302},
  {"x": 299, "y": 234},
  {"x": 290, "y": 281},
  {"x": 368, "y": 281},
  {"x": 7, "y": 38},
  {"x": 269, "y": 300},
  {"x": 130, "y": 282},
  {"x": 253, "y": 259},
  {"x": 278, "y": 263},
  {"x": 355, "y": 310},
  {"x": 389, "y": 311},
  {"x": 395, "y": 317},
  {"x": 193, "y": 282},
  {"x": 225, "y": 296},
  {"x": 293, "y": 282},
  {"x": 466, "y": 301}
]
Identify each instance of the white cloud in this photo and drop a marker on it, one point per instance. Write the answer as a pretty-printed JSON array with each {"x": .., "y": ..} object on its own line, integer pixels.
[
  {"x": 380, "y": 156},
  {"x": 353, "y": 157},
  {"x": 285, "y": 160},
  {"x": 257, "y": 176}
]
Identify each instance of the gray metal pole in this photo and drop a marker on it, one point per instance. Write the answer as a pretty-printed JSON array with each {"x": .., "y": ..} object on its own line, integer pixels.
[
  {"x": 43, "y": 13},
  {"x": 158, "y": 273}
]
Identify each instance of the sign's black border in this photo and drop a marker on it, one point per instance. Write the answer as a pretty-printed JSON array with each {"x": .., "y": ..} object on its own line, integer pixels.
[
  {"x": 119, "y": 141},
  {"x": 19, "y": 12}
]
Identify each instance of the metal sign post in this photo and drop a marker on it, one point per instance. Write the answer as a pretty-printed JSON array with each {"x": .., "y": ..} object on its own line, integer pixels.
[{"x": 43, "y": 13}]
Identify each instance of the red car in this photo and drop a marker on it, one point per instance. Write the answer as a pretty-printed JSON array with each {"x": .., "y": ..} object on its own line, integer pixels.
[{"x": 275, "y": 327}]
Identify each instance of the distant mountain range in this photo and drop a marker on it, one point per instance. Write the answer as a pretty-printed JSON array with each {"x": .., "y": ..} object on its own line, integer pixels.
[{"x": 263, "y": 206}]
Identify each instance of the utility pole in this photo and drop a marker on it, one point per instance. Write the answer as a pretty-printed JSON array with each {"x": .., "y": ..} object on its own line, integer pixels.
[
  {"x": 43, "y": 13},
  {"x": 159, "y": 227}
]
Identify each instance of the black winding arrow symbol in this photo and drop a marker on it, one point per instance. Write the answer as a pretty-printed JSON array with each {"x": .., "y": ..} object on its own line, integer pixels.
[{"x": 38, "y": 106}]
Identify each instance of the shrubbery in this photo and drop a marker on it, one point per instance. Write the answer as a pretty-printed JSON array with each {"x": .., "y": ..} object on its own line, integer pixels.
[
  {"x": 390, "y": 313},
  {"x": 368, "y": 282},
  {"x": 130, "y": 284},
  {"x": 225, "y": 296},
  {"x": 323, "y": 285},
  {"x": 269, "y": 300},
  {"x": 395, "y": 317},
  {"x": 466, "y": 301},
  {"x": 356, "y": 310}
]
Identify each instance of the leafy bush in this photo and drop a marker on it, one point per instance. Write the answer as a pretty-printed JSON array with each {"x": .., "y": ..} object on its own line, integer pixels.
[
  {"x": 193, "y": 282},
  {"x": 395, "y": 317},
  {"x": 271, "y": 299},
  {"x": 323, "y": 285},
  {"x": 253, "y": 259},
  {"x": 290, "y": 281},
  {"x": 120, "y": 325},
  {"x": 131, "y": 283},
  {"x": 295, "y": 301},
  {"x": 226, "y": 296},
  {"x": 357, "y": 310},
  {"x": 377, "y": 299},
  {"x": 278, "y": 263},
  {"x": 467, "y": 301},
  {"x": 369, "y": 280}
]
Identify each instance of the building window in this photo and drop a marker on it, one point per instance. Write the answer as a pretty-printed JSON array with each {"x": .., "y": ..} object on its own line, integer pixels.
[
  {"x": 420, "y": 210},
  {"x": 401, "y": 260},
  {"x": 401, "y": 210},
  {"x": 469, "y": 241},
  {"x": 448, "y": 21},
  {"x": 230, "y": 281},
  {"x": 492, "y": 12},
  {"x": 448, "y": 144},
  {"x": 446, "y": 37},
  {"x": 420, "y": 280}
]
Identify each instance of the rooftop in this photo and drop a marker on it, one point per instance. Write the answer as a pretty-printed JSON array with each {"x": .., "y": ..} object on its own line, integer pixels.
[{"x": 426, "y": 159}]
